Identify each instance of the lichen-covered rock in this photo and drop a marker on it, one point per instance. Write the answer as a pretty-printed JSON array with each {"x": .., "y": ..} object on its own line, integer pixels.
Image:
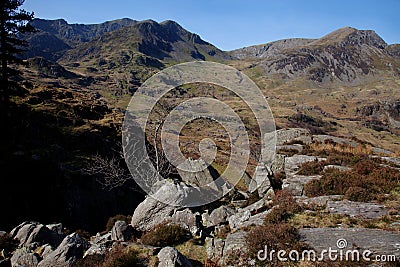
[{"x": 171, "y": 257}]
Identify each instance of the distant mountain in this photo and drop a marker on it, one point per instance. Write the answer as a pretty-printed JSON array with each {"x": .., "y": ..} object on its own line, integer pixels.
[
  {"x": 345, "y": 55},
  {"x": 54, "y": 37},
  {"x": 163, "y": 41}
]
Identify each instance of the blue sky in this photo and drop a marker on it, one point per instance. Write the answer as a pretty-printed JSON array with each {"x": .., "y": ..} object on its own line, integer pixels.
[{"x": 231, "y": 24}]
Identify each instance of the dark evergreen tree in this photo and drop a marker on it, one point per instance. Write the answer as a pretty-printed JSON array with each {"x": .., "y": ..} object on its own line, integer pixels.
[{"x": 14, "y": 22}]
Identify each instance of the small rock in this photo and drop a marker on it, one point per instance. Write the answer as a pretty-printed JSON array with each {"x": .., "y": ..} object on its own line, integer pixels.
[
  {"x": 295, "y": 184},
  {"x": 152, "y": 212},
  {"x": 171, "y": 257},
  {"x": 337, "y": 167},
  {"x": 121, "y": 231},
  {"x": 219, "y": 216}
]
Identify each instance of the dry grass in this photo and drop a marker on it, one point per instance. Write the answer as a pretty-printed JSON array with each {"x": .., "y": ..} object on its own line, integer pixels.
[
  {"x": 367, "y": 181},
  {"x": 339, "y": 148},
  {"x": 194, "y": 252}
]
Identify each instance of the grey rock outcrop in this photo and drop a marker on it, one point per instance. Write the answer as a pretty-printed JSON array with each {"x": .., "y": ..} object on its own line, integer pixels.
[
  {"x": 171, "y": 257},
  {"x": 293, "y": 134},
  {"x": 67, "y": 253},
  {"x": 292, "y": 164},
  {"x": 380, "y": 242},
  {"x": 295, "y": 184},
  {"x": 29, "y": 233},
  {"x": 316, "y": 202},
  {"x": 228, "y": 252}
]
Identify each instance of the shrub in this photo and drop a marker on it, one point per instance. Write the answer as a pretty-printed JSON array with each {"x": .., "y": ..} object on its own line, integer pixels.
[
  {"x": 311, "y": 168},
  {"x": 95, "y": 260},
  {"x": 111, "y": 221},
  {"x": 365, "y": 182},
  {"x": 165, "y": 235},
  {"x": 122, "y": 257},
  {"x": 356, "y": 193},
  {"x": 284, "y": 208},
  {"x": 279, "y": 236}
]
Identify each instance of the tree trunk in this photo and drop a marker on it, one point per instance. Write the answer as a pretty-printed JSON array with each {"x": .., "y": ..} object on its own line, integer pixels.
[{"x": 4, "y": 72}]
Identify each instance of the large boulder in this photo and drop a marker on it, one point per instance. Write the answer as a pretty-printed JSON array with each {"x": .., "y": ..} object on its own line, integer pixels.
[
  {"x": 121, "y": 231},
  {"x": 67, "y": 253},
  {"x": 34, "y": 233},
  {"x": 152, "y": 212},
  {"x": 171, "y": 257}
]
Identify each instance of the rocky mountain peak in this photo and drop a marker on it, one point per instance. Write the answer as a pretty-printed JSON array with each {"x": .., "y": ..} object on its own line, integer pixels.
[{"x": 349, "y": 36}]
